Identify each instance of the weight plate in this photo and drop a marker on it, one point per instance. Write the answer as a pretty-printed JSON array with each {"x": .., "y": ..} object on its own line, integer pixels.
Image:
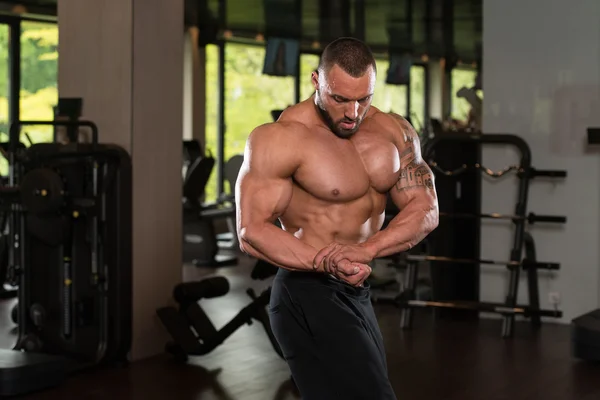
[{"x": 42, "y": 191}]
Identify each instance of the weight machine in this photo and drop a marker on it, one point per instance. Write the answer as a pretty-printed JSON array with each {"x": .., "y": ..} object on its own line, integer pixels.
[{"x": 69, "y": 210}]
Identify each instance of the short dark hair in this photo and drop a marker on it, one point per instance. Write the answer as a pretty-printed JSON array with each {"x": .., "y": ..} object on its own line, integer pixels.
[{"x": 352, "y": 55}]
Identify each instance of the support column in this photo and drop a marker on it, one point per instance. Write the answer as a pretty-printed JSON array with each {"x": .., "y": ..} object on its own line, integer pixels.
[
  {"x": 439, "y": 91},
  {"x": 125, "y": 59}
]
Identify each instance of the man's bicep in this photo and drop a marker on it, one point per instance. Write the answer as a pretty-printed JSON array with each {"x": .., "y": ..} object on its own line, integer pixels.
[
  {"x": 262, "y": 198},
  {"x": 264, "y": 186},
  {"x": 415, "y": 178}
]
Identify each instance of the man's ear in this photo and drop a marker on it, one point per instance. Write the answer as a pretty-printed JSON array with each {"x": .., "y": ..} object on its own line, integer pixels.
[{"x": 315, "y": 79}]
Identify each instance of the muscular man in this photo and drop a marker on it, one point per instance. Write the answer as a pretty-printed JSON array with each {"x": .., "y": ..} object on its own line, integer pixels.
[{"x": 324, "y": 169}]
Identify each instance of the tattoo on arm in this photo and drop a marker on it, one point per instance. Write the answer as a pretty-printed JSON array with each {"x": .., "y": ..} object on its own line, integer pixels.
[{"x": 413, "y": 174}]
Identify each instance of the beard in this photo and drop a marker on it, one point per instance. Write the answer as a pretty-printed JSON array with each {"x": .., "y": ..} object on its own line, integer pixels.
[{"x": 335, "y": 126}]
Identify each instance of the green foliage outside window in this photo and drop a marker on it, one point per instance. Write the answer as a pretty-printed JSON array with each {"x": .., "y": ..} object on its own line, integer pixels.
[
  {"x": 4, "y": 88},
  {"x": 461, "y": 78},
  {"x": 39, "y": 66}
]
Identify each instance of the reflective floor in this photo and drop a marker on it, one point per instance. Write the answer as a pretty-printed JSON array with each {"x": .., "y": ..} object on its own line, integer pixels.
[{"x": 441, "y": 361}]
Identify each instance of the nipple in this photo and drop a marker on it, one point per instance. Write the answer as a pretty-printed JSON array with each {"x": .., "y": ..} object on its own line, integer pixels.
[{"x": 335, "y": 192}]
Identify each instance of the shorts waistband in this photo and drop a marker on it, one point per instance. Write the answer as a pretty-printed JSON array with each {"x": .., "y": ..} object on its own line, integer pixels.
[{"x": 323, "y": 279}]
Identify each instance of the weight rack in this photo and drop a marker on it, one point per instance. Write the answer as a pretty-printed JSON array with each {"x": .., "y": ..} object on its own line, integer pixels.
[{"x": 522, "y": 241}]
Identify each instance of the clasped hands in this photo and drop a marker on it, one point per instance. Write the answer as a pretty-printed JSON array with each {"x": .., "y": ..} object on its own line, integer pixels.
[{"x": 346, "y": 262}]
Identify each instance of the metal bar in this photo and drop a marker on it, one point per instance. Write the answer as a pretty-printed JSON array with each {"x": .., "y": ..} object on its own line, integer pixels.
[
  {"x": 409, "y": 19},
  {"x": 547, "y": 173},
  {"x": 530, "y": 218},
  {"x": 489, "y": 172},
  {"x": 500, "y": 138},
  {"x": 297, "y": 77},
  {"x": 519, "y": 237},
  {"x": 532, "y": 280},
  {"x": 14, "y": 80},
  {"x": 499, "y": 308},
  {"x": 297, "y": 80},
  {"x": 406, "y": 318},
  {"x": 526, "y": 264},
  {"x": 15, "y": 127},
  {"x": 427, "y": 84},
  {"x": 222, "y": 124}
]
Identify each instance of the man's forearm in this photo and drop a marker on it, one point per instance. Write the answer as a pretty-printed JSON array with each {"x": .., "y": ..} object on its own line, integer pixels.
[
  {"x": 408, "y": 228},
  {"x": 278, "y": 247}
]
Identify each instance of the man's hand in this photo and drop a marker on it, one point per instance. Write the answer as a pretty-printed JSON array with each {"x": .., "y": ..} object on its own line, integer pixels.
[
  {"x": 353, "y": 273},
  {"x": 346, "y": 262},
  {"x": 333, "y": 254}
]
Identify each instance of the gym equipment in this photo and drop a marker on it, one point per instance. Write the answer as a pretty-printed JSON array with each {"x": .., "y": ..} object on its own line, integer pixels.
[
  {"x": 525, "y": 263},
  {"x": 8, "y": 285},
  {"x": 70, "y": 251},
  {"x": 585, "y": 336},
  {"x": 229, "y": 240},
  {"x": 200, "y": 245},
  {"x": 192, "y": 330},
  {"x": 522, "y": 241},
  {"x": 192, "y": 150},
  {"x": 531, "y": 218},
  {"x": 70, "y": 109},
  {"x": 35, "y": 371},
  {"x": 531, "y": 172},
  {"x": 275, "y": 114}
]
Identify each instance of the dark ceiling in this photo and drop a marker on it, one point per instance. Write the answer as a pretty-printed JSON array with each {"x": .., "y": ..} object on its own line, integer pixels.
[{"x": 438, "y": 28}]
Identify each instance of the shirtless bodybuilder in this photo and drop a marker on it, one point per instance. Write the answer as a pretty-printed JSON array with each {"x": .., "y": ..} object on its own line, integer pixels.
[{"x": 325, "y": 169}]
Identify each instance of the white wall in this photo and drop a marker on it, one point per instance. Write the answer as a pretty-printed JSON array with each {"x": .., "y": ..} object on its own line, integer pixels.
[{"x": 542, "y": 81}]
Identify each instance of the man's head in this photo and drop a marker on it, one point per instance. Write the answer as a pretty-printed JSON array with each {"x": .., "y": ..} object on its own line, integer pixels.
[{"x": 344, "y": 84}]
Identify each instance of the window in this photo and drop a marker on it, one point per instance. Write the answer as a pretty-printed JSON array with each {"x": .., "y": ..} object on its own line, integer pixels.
[
  {"x": 4, "y": 91},
  {"x": 461, "y": 78},
  {"x": 388, "y": 97},
  {"x": 212, "y": 115},
  {"x": 417, "y": 97},
  {"x": 308, "y": 63},
  {"x": 39, "y": 76},
  {"x": 250, "y": 96}
]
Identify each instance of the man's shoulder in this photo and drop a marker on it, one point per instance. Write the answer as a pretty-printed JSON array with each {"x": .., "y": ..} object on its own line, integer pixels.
[
  {"x": 392, "y": 125},
  {"x": 289, "y": 127},
  {"x": 390, "y": 120},
  {"x": 279, "y": 130},
  {"x": 279, "y": 135}
]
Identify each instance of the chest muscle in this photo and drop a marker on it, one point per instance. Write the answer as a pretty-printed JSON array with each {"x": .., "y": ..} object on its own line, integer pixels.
[{"x": 346, "y": 170}]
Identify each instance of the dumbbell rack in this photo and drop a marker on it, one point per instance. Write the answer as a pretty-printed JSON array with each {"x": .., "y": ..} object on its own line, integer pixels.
[{"x": 522, "y": 241}]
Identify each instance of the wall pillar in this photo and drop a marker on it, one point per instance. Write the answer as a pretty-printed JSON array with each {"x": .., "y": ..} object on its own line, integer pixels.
[{"x": 125, "y": 59}]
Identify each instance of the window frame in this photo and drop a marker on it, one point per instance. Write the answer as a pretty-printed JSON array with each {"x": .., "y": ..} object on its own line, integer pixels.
[{"x": 14, "y": 60}]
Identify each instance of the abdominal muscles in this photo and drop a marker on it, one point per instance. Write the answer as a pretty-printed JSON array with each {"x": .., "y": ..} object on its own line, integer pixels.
[{"x": 320, "y": 222}]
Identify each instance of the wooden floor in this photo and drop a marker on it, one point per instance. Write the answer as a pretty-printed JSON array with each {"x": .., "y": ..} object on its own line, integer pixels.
[{"x": 442, "y": 361}]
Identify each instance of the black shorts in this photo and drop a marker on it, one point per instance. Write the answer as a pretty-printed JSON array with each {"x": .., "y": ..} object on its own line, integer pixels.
[{"x": 329, "y": 336}]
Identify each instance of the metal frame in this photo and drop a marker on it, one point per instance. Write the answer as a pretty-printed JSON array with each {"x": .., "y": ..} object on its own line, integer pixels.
[
  {"x": 14, "y": 67},
  {"x": 521, "y": 241}
]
